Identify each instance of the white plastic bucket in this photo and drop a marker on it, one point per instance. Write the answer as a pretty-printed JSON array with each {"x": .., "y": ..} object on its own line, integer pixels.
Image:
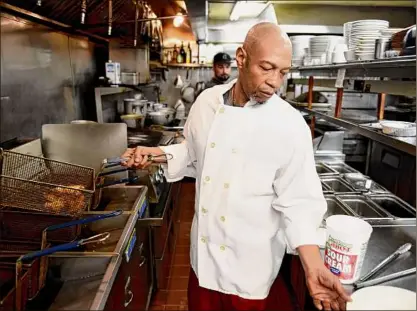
[{"x": 346, "y": 244}]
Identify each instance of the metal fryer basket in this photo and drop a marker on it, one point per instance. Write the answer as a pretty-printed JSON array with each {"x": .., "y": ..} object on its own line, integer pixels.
[
  {"x": 39, "y": 184},
  {"x": 28, "y": 226}
]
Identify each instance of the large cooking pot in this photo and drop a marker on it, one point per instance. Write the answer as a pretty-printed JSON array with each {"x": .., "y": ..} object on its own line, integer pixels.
[
  {"x": 135, "y": 106},
  {"x": 163, "y": 116},
  {"x": 188, "y": 94}
]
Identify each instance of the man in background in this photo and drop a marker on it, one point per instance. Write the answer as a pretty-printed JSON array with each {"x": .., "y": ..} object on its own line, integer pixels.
[{"x": 221, "y": 69}]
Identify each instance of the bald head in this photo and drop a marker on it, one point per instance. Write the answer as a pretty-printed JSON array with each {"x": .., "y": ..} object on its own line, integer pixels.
[
  {"x": 264, "y": 35},
  {"x": 263, "y": 61}
]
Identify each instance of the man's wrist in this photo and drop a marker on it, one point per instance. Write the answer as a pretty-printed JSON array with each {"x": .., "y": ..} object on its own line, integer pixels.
[{"x": 310, "y": 257}]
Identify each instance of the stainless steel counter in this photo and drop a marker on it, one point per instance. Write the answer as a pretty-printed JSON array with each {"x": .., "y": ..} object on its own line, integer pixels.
[{"x": 407, "y": 145}]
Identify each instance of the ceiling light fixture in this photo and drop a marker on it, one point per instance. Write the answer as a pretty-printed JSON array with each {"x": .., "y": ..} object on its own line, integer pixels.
[
  {"x": 178, "y": 20},
  {"x": 247, "y": 9}
]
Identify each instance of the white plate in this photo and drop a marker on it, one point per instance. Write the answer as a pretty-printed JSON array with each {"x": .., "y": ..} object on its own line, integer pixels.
[
  {"x": 366, "y": 44},
  {"x": 382, "y": 298},
  {"x": 370, "y": 27},
  {"x": 370, "y": 21}
]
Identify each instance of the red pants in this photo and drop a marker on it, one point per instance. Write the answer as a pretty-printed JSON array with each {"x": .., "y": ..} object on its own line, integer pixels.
[{"x": 202, "y": 299}]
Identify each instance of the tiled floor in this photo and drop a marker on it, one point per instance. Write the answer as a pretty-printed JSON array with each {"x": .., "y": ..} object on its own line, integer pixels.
[{"x": 174, "y": 297}]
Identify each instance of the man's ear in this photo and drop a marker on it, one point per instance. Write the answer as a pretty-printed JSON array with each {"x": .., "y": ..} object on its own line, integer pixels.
[{"x": 241, "y": 57}]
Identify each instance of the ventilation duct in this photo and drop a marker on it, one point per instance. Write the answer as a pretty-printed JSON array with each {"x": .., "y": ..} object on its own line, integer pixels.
[
  {"x": 213, "y": 31},
  {"x": 235, "y": 31}
]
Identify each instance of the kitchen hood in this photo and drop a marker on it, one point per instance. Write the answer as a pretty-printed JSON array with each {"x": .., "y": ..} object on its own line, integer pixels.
[{"x": 222, "y": 31}]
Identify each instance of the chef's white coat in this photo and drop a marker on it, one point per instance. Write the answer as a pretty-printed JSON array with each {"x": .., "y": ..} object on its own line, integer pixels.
[{"x": 256, "y": 190}]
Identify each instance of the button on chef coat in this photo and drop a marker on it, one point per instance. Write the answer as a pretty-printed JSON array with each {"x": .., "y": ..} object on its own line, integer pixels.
[{"x": 274, "y": 198}]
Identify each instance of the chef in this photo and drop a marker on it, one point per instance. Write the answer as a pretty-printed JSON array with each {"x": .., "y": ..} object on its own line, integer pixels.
[
  {"x": 257, "y": 190},
  {"x": 221, "y": 69}
]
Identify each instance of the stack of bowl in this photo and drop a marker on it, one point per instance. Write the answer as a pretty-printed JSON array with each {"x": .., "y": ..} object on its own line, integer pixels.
[
  {"x": 363, "y": 36},
  {"x": 300, "y": 45}
]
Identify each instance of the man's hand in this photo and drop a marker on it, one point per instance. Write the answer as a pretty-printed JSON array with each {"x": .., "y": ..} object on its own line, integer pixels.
[
  {"x": 324, "y": 287},
  {"x": 138, "y": 157},
  {"x": 326, "y": 290}
]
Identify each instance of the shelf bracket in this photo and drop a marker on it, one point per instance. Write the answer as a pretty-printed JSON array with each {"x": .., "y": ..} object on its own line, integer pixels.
[
  {"x": 381, "y": 106},
  {"x": 339, "y": 101}
]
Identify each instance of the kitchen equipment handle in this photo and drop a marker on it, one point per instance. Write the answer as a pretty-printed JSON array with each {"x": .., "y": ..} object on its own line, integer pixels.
[
  {"x": 120, "y": 170},
  {"x": 111, "y": 165},
  {"x": 116, "y": 160},
  {"x": 168, "y": 156},
  {"x": 84, "y": 220},
  {"x": 386, "y": 278},
  {"x": 65, "y": 247},
  {"x": 401, "y": 250},
  {"x": 116, "y": 182}
]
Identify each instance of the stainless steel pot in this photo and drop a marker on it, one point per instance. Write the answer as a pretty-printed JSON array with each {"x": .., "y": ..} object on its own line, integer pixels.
[
  {"x": 381, "y": 45},
  {"x": 135, "y": 106},
  {"x": 140, "y": 106},
  {"x": 130, "y": 78},
  {"x": 155, "y": 106},
  {"x": 163, "y": 116},
  {"x": 188, "y": 94}
]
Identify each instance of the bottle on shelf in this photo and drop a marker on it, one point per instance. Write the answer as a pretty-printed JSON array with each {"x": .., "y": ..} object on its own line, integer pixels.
[
  {"x": 175, "y": 54},
  {"x": 189, "y": 54},
  {"x": 183, "y": 54},
  {"x": 165, "y": 57}
]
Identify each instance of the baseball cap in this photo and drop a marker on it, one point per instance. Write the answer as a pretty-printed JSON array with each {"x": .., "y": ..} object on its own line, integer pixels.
[{"x": 222, "y": 58}]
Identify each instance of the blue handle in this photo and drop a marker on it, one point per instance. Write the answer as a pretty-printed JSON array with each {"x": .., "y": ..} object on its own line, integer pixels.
[
  {"x": 113, "y": 172},
  {"x": 120, "y": 181},
  {"x": 116, "y": 160},
  {"x": 84, "y": 220},
  {"x": 112, "y": 165},
  {"x": 51, "y": 250}
]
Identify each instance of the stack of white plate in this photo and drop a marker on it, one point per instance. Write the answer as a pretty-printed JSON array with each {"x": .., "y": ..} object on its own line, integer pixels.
[
  {"x": 363, "y": 35},
  {"x": 323, "y": 45},
  {"x": 347, "y": 28},
  {"x": 299, "y": 46}
]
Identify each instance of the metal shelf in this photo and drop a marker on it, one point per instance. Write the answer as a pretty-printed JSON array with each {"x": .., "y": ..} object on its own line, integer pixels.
[
  {"x": 392, "y": 87},
  {"x": 397, "y": 68},
  {"x": 407, "y": 145}
]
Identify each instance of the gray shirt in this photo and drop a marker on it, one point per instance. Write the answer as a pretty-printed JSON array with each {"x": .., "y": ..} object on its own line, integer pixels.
[{"x": 214, "y": 82}]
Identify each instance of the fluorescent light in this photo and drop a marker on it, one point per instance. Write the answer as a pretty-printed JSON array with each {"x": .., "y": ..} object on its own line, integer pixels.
[
  {"x": 247, "y": 9},
  {"x": 178, "y": 20}
]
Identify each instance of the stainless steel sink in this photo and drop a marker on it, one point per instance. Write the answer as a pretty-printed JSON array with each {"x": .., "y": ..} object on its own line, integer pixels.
[
  {"x": 334, "y": 207},
  {"x": 323, "y": 170},
  {"x": 361, "y": 207},
  {"x": 326, "y": 189},
  {"x": 337, "y": 184},
  {"x": 340, "y": 167},
  {"x": 360, "y": 185},
  {"x": 393, "y": 205}
]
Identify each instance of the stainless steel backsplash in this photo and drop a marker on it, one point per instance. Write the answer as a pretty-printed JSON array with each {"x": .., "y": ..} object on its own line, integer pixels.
[{"x": 46, "y": 77}]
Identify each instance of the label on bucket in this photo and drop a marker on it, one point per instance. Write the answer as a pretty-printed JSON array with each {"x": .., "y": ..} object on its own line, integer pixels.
[{"x": 340, "y": 259}]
